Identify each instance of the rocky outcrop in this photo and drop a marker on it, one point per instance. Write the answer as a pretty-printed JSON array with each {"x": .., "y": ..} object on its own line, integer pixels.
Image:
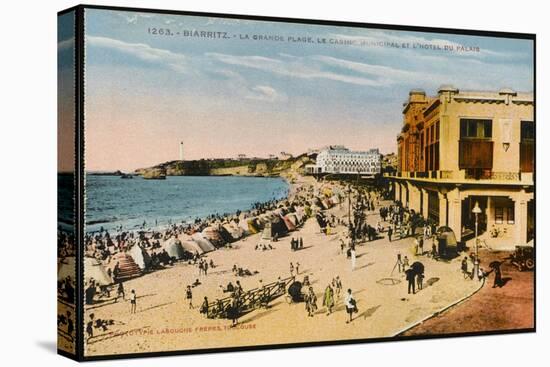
[{"x": 226, "y": 167}]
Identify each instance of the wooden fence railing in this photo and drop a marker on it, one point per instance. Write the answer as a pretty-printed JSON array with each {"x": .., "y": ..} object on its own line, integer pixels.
[{"x": 249, "y": 300}]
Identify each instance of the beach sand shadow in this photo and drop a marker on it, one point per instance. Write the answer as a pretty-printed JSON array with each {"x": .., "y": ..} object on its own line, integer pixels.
[
  {"x": 369, "y": 312},
  {"x": 111, "y": 301},
  {"x": 153, "y": 307},
  {"x": 366, "y": 265},
  {"x": 431, "y": 281},
  {"x": 258, "y": 315}
]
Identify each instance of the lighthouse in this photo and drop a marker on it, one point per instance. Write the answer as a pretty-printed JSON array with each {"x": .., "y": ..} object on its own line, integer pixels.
[{"x": 181, "y": 150}]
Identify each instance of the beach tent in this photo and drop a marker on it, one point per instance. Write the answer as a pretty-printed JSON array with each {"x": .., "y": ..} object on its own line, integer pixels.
[
  {"x": 334, "y": 200},
  {"x": 253, "y": 225},
  {"x": 191, "y": 246},
  {"x": 295, "y": 219},
  {"x": 203, "y": 243},
  {"x": 278, "y": 226},
  {"x": 93, "y": 269},
  {"x": 300, "y": 214},
  {"x": 234, "y": 231},
  {"x": 213, "y": 235},
  {"x": 174, "y": 248},
  {"x": 226, "y": 235},
  {"x": 290, "y": 226},
  {"x": 140, "y": 256},
  {"x": 127, "y": 266},
  {"x": 325, "y": 204}
]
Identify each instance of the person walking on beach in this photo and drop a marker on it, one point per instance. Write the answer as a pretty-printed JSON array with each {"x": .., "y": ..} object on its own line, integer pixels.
[
  {"x": 353, "y": 258},
  {"x": 291, "y": 270},
  {"x": 338, "y": 286},
  {"x": 464, "y": 267},
  {"x": 205, "y": 268},
  {"x": 328, "y": 299},
  {"x": 421, "y": 245},
  {"x": 233, "y": 311},
  {"x": 419, "y": 280},
  {"x": 189, "y": 297},
  {"x": 301, "y": 243},
  {"x": 90, "y": 327},
  {"x": 311, "y": 302},
  {"x": 399, "y": 264},
  {"x": 120, "y": 292},
  {"x": 297, "y": 268},
  {"x": 133, "y": 300},
  {"x": 498, "y": 275},
  {"x": 351, "y": 305},
  {"x": 405, "y": 262},
  {"x": 390, "y": 232},
  {"x": 409, "y": 274},
  {"x": 204, "y": 307}
]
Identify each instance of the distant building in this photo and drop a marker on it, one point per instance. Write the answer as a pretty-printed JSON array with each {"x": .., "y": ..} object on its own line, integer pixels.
[
  {"x": 338, "y": 159},
  {"x": 241, "y": 156},
  {"x": 460, "y": 148}
]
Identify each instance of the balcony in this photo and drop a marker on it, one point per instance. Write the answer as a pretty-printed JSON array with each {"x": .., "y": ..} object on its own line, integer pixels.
[
  {"x": 475, "y": 154},
  {"x": 467, "y": 176}
]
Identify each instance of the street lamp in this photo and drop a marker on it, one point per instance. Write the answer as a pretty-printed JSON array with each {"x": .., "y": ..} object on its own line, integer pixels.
[{"x": 476, "y": 210}]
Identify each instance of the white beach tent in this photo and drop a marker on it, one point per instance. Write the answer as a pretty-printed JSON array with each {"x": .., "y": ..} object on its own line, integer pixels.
[
  {"x": 140, "y": 256},
  {"x": 93, "y": 269},
  {"x": 203, "y": 243},
  {"x": 174, "y": 248}
]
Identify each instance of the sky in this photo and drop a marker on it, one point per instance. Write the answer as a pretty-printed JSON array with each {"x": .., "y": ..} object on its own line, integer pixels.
[{"x": 144, "y": 92}]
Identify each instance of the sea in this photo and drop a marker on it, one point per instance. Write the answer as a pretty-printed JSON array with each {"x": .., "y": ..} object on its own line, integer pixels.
[{"x": 112, "y": 202}]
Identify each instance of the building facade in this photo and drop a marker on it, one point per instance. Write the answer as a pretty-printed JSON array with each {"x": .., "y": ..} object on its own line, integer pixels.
[
  {"x": 460, "y": 148},
  {"x": 338, "y": 159}
]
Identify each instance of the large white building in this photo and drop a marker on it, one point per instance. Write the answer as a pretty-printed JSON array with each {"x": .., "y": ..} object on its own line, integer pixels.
[{"x": 338, "y": 159}]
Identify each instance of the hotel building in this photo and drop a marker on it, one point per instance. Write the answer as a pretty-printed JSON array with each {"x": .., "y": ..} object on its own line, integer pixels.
[
  {"x": 460, "y": 148},
  {"x": 338, "y": 159}
]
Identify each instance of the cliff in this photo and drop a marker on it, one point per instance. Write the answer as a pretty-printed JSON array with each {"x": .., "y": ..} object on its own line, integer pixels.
[{"x": 227, "y": 167}]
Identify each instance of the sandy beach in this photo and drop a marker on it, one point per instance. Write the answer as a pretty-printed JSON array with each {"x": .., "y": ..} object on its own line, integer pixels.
[{"x": 164, "y": 322}]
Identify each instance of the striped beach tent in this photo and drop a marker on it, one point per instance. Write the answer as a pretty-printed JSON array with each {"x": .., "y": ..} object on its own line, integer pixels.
[
  {"x": 288, "y": 223},
  {"x": 213, "y": 235}
]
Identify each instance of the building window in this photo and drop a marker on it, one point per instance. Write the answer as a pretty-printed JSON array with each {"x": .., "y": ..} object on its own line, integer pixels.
[
  {"x": 476, "y": 129},
  {"x": 527, "y": 147},
  {"x": 499, "y": 215},
  {"x": 510, "y": 214},
  {"x": 431, "y": 150},
  {"x": 475, "y": 146}
]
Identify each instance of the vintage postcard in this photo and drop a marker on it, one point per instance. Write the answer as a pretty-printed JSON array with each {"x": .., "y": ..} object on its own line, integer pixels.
[{"x": 233, "y": 182}]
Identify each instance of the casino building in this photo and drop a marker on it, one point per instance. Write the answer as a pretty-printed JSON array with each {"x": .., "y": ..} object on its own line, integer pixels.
[
  {"x": 460, "y": 148},
  {"x": 337, "y": 159}
]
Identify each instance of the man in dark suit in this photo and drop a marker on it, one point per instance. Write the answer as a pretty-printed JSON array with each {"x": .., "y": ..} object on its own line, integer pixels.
[{"x": 409, "y": 273}]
